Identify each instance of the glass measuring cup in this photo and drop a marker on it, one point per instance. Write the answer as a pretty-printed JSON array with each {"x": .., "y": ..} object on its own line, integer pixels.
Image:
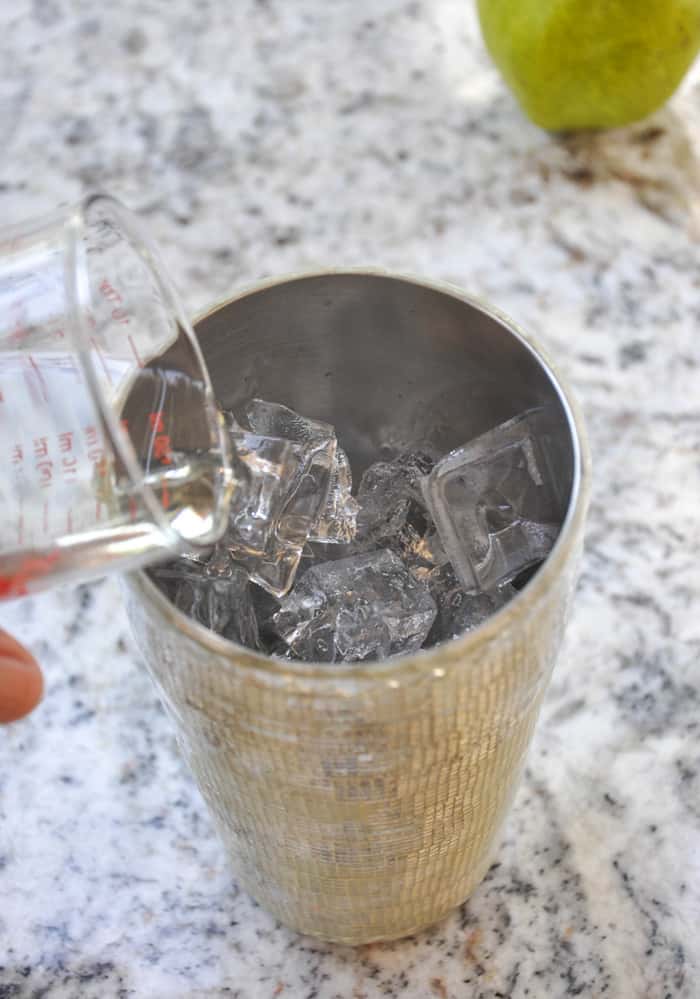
[{"x": 112, "y": 445}]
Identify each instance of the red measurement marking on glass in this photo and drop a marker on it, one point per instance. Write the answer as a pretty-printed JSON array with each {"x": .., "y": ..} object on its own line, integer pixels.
[
  {"x": 40, "y": 377},
  {"x": 98, "y": 351},
  {"x": 94, "y": 452},
  {"x": 31, "y": 567},
  {"x": 165, "y": 496},
  {"x": 119, "y": 315},
  {"x": 45, "y": 518},
  {"x": 20, "y": 529},
  {"x": 133, "y": 509},
  {"x": 45, "y": 470},
  {"x": 98, "y": 511},
  {"x": 91, "y": 436},
  {"x": 68, "y": 461},
  {"x": 109, "y": 291},
  {"x": 162, "y": 447},
  {"x": 42, "y": 461}
]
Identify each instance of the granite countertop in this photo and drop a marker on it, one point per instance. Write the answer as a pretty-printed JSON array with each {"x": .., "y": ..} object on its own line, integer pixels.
[{"x": 259, "y": 137}]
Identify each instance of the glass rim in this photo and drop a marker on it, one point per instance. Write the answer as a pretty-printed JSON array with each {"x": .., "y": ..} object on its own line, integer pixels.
[
  {"x": 77, "y": 225},
  {"x": 420, "y": 663}
]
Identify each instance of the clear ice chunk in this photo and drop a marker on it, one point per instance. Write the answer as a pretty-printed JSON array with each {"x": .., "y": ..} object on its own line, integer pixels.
[
  {"x": 216, "y": 594},
  {"x": 275, "y": 569},
  {"x": 220, "y": 565},
  {"x": 272, "y": 466},
  {"x": 272, "y": 419},
  {"x": 207, "y": 601},
  {"x": 457, "y": 610},
  {"x": 270, "y": 518},
  {"x": 495, "y": 501},
  {"x": 389, "y": 587},
  {"x": 199, "y": 557},
  {"x": 265, "y": 606},
  {"x": 385, "y": 493},
  {"x": 290, "y": 460},
  {"x": 408, "y": 529},
  {"x": 280, "y": 650},
  {"x": 338, "y": 521},
  {"x": 299, "y": 489},
  {"x": 418, "y": 543},
  {"x": 335, "y": 520},
  {"x": 364, "y": 607}
]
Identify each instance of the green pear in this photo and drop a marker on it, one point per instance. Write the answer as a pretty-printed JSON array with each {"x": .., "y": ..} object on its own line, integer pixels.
[{"x": 591, "y": 63}]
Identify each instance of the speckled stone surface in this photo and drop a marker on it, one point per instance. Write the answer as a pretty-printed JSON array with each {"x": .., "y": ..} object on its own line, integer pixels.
[{"x": 262, "y": 137}]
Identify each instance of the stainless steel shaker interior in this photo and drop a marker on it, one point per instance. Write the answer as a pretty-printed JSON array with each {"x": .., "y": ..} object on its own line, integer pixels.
[{"x": 384, "y": 359}]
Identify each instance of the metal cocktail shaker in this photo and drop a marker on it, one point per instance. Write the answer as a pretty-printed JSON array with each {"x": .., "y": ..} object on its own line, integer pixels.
[{"x": 361, "y": 802}]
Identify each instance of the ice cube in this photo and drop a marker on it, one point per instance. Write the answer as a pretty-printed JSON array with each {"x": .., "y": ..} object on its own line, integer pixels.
[
  {"x": 276, "y": 568},
  {"x": 199, "y": 557},
  {"x": 272, "y": 419},
  {"x": 495, "y": 501},
  {"x": 309, "y": 493},
  {"x": 337, "y": 523},
  {"x": 392, "y": 517},
  {"x": 290, "y": 478},
  {"x": 216, "y": 595},
  {"x": 269, "y": 522},
  {"x": 219, "y": 565},
  {"x": 362, "y": 607},
  {"x": 457, "y": 610},
  {"x": 417, "y": 543},
  {"x": 385, "y": 494},
  {"x": 265, "y": 606},
  {"x": 205, "y": 600},
  {"x": 335, "y": 520},
  {"x": 280, "y": 650},
  {"x": 273, "y": 466}
]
